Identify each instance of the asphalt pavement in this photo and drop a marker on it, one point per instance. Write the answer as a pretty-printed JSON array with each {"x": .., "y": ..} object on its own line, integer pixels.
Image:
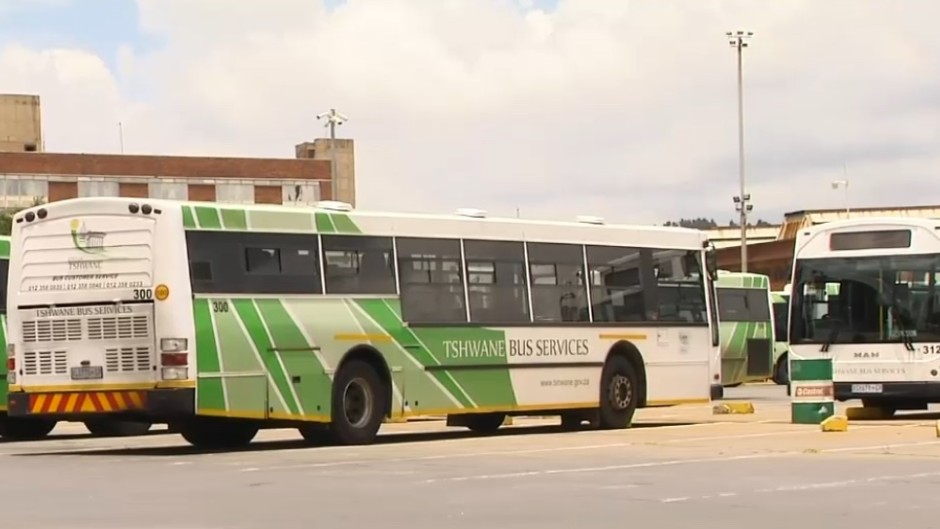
[{"x": 677, "y": 467}]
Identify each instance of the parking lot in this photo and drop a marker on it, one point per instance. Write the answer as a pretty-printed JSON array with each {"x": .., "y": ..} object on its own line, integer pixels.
[{"x": 678, "y": 466}]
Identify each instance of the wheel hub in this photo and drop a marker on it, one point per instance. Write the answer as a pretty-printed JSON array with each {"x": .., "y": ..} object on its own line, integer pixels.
[
  {"x": 357, "y": 403},
  {"x": 620, "y": 392}
]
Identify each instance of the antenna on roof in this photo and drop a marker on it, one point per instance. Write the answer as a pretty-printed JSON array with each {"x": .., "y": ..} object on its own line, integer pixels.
[
  {"x": 471, "y": 212},
  {"x": 334, "y": 205}
]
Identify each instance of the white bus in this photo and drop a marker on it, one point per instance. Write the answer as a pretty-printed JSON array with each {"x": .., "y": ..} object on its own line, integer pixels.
[
  {"x": 865, "y": 294},
  {"x": 223, "y": 319}
]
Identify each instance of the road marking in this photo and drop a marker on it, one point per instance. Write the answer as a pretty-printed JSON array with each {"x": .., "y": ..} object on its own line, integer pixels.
[
  {"x": 671, "y": 462},
  {"x": 489, "y": 453},
  {"x": 809, "y": 486}
]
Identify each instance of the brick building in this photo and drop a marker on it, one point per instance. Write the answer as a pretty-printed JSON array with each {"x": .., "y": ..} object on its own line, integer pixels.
[{"x": 28, "y": 173}]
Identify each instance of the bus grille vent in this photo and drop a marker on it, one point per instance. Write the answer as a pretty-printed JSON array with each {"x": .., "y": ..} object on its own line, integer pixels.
[
  {"x": 52, "y": 330},
  {"x": 124, "y": 359},
  {"x": 45, "y": 363},
  {"x": 118, "y": 328}
]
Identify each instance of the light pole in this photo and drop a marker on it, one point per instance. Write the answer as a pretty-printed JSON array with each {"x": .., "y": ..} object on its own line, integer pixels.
[
  {"x": 333, "y": 118},
  {"x": 844, "y": 184},
  {"x": 742, "y": 201}
]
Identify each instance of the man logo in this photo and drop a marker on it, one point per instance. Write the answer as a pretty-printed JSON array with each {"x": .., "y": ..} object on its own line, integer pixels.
[
  {"x": 90, "y": 242},
  {"x": 865, "y": 355}
]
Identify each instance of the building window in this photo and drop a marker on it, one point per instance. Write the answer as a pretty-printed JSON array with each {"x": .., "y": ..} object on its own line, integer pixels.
[
  {"x": 559, "y": 292},
  {"x": 98, "y": 188},
  {"x": 431, "y": 279},
  {"x": 496, "y": 281},
  {"x": 358, "y": 265},
  {"x": 300, "y": 194},
  {"x": 169, "y": 190},
  {"x": 23, "y": 192},
  {"x": 235, "y": 193}
]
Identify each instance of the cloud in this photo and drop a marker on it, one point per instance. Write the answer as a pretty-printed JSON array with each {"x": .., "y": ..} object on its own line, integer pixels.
[{"x": 624, "y": 109}]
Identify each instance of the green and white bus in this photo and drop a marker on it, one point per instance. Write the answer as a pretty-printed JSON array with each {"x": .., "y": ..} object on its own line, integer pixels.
[
  {"x": 866, "y": 297},
  {"x": 222, "y": 319},
  {"x": 746, "y": 321},
  {"x": 781, "y": 306}
]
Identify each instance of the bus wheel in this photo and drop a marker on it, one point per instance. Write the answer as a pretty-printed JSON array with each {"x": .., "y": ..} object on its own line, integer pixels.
[
  {"x": 209, "y": 433},
  {"x": 316, "y": 433},
  {"x": 781, "y": 374},
  {"x": 619, "y": 393},
  {"x": 358, "y": 404},
  {"x": 116, "y": 428},
  {"x": 485, "y": 422},
  {"x": 25, "y": 428}
]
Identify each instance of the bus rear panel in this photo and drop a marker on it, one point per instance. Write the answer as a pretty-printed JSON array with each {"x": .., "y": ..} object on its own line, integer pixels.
[{"x": 97, "y": 326}]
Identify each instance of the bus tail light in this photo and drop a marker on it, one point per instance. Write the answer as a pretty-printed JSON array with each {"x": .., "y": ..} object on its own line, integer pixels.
[
  {"x": 174, "y": 365},
  {"x": 11, "y": 364},
  {"x": 173, "y": 345}
]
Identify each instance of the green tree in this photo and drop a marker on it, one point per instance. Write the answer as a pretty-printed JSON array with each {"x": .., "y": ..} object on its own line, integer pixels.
[{"x": 6, "y": 216}]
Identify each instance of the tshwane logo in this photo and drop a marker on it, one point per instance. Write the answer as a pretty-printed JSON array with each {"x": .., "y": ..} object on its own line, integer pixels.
[{"x": 87, "y": 241}]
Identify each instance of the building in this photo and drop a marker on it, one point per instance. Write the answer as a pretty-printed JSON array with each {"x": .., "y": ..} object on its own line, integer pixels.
[
  {"x": 28, "y": 174},
  {"x": 20, "y": 123},
  {"x": 775, "y": 257},
  {"x": 725, "y": 236}
]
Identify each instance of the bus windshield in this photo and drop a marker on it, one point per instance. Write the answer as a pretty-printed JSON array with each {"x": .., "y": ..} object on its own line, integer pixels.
[{"x": 874, "y": 299}]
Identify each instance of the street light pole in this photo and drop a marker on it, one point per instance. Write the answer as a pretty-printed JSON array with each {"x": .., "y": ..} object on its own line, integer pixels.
[
  {"x": 742, "y": 201},
  {"x": 333, "y": 118}
]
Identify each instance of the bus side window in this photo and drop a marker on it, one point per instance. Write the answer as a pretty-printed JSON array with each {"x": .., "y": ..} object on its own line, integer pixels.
[{"x": 431, "y": 280}]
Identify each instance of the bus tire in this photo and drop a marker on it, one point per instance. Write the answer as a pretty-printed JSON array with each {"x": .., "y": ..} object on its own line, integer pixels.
[
  {"x": 316, "y": 433},
  {"x": 117, "y": 428},
  {"x": 619, "y": 393},
  {"x": 358, "y": 404},
  {"x": 781, "y": 372},
  {"x": 25, "y": 428},
  {"x": 485, "y": 423},
  {"x": 218, "y": 434}
]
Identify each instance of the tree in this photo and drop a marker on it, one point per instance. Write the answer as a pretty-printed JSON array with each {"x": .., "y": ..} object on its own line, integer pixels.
[
  {"x": 6, "y": 217},
  {"x": 700, "y": 223}
]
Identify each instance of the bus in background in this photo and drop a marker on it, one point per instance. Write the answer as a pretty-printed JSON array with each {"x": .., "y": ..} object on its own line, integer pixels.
[
  {"x": 781, "y": 307},
  {"x": 746, "y": 326},
  {"x": 866, "y": 296},
  {"x": 220, "y": 320}
]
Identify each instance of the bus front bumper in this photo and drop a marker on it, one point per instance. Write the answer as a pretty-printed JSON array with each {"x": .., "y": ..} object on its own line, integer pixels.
[
  {"x": 897, "y": 391},
  {"x": 151, "y": 403}
]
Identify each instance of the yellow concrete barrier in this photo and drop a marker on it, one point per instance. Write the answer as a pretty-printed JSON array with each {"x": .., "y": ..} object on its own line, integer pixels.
[
  {"x": 937, "y": 428},
  {"x": 733, "y": 408},
  {"x": 836, "y": 423},
  {"x": 868, "y": 414}
]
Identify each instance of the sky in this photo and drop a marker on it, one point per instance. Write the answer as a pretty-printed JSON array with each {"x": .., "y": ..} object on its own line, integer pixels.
[{"x": 624, "y": 109}]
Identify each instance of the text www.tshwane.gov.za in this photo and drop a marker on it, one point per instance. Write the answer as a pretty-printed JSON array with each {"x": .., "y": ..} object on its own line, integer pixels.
[{"x": 576, "y": 382}]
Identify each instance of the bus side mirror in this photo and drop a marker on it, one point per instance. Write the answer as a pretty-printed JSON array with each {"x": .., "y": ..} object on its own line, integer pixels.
[{"x": 711, "y": 263}]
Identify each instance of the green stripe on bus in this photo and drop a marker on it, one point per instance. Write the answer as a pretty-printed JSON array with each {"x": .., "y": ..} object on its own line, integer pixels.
[
  {"x": 5, "y": 249},
  {"x": 234, "y": 219},
  {"x": 324, "y": 224},
  {"x": 344, "y": 224},
  {"x": 209, "y": 393},
  {"x": 208, "y": 217},
  {"x": 188, "y": 220},
  {"x": 253, "y": 323},
  {"x": 818, "y": 369}
]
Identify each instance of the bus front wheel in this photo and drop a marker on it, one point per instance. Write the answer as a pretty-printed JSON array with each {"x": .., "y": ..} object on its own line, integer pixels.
[
  {"x": 215, "y": 434},
  {"x": 115, "y": 428},
  {"x": 619, "y": 393},
  {"x": 358, "y": 404}
]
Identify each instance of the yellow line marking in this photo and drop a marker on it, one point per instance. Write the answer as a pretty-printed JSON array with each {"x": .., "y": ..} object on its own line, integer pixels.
[
  {"x": 87, "y": 387},
  {"x": 234, "y": 414},
  {"x": 56, "y": 400},
  {"x": 614, "y": 336},
  {"x": 135, "y": 398},
  {"x": 15, "y": 387},
  {"x": 103, "y": 400},
  {"x": 362, "y": 337}
]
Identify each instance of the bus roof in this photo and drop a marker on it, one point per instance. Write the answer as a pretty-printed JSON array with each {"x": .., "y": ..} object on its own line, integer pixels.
[
  {"x": 820, "y": 240},
  {"x": 332, "y": 218}
]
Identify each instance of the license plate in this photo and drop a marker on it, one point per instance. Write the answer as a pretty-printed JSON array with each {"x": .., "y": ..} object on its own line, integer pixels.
[
  {"x": 867, "y": 388},
  {"x": 87, "y": 373}
]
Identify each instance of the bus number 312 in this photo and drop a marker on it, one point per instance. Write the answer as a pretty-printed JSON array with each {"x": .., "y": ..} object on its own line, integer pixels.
[{"x": 931, "y": 349}]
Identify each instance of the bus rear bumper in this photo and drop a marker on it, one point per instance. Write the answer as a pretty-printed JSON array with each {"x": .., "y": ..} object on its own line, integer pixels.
[
  {"x": 890, "y": 391},
  {"x": 155, "y": 404}
]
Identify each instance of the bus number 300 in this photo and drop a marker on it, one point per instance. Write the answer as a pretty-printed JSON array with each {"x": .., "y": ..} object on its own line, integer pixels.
[
  {"x": 143, "y": 294},
  {"x": 220, "y": 306}
]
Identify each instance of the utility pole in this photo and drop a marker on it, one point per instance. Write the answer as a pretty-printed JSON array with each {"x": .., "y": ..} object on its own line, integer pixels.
[
  {"x": 333, "y": 118},
  {"x": 742, "y": 201},
  {"x": 844, "y": 184},
  {"x": 121, "y": 135}
]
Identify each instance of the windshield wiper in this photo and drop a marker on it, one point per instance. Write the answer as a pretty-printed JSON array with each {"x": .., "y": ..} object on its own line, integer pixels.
[{"x": 905, "y": 337}]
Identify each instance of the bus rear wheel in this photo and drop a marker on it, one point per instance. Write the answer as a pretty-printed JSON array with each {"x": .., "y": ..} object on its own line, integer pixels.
[
  {"x": 116, "y": 428},
  {"x": 217, "y": 434},
  {"x": 359, "y": 404},
  {"x": 25, "y": 428},
  {"x": 485, "y": 422},
  {"x": 619, "y": 393}
]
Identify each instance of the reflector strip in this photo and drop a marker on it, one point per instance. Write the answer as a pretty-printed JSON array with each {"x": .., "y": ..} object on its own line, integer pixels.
[{"x": 86, "y": 402}]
